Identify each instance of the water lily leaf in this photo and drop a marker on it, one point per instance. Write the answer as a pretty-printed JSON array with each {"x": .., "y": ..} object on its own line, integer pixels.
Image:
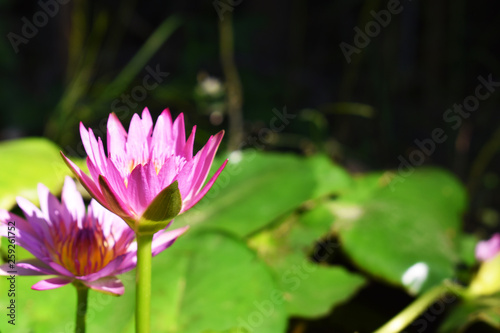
[
  {"x": 406, "y": 233},
  {"x": 204, "y": 282},
  {"x": 26, "y": 162},
  {"x": 257, "y": 188}
]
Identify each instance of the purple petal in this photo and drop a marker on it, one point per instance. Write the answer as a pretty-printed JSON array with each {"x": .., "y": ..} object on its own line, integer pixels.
[
  {"x": 51, "y": 284},
  {"x": 110, "y": 222},
  {"x": 49, "y": 206},
  {"x": 107, "y": 285},
  {"x": 166, "y": 239},
  {"x": 28, "y": 267},
  {"x": 20, "y": 223},
  {"x": 26, "y": 236},
  {"x": 110, "y": 269},
  {"x": 59, "y": 269},
  {"x": 72, "y": 201},
  {"x": 31, "y": 234}
]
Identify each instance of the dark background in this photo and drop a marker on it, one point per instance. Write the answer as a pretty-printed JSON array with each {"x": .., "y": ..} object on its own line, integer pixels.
[{"x": 365, "y": 113}]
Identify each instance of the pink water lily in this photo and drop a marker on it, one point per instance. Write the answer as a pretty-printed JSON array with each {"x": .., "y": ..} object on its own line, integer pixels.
[
  {"x": 143, "y": 162},
  {"x": 488, "y": 249},
  {"x": 71, "y": 243}
]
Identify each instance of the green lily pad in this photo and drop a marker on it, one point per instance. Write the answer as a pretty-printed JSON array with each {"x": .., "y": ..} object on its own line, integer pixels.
[
  {"x": 407, "y": 234},
  {"x": 310, "y": 290},
  {"x": 257, "y": 188},
  {"x": 204, "y": 282}
]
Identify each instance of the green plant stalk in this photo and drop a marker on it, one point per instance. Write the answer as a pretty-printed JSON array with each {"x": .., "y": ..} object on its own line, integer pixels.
[
  {"x": 143, "y": 283},
  {"x": 155, "y": 41},
  {"x": 412, "y": 311},
  {"x": 81, "y": 306}
]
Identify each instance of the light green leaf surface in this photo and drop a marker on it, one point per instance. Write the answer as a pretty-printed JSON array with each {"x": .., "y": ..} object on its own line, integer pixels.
[
  {"x": 395, "y": 226},
  {"x": 26, "y": 162},
  {"x": 310, "y": 289},
  {"x": 204, "y": 282},
  {"x": 257, "y": 188}
]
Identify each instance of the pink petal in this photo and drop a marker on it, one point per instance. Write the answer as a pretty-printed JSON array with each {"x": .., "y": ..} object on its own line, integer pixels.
[
  {"x": 92, "y": 147},
  {"x": 85, "y": 180},
  {"x": 107, "y": 285},
  {"x": 179, "y": 134},
  {"x": 117, "y": 136},
  {"x": 201, "y": 194},
  {"x": 187, "y": 152},
  {"x": 142, "y": 188},
  {"x": 205, "y": 161},
  {"x": 168, "y": 173},
  {"x": 113, "y": 202},
  {"x": 162, "y": 136},
  {"x": 51, "y": 283},
  {"x": 138, "y": 133},
  {"x": 115, "y": 179},
  {"x": 488, "y": 249}
]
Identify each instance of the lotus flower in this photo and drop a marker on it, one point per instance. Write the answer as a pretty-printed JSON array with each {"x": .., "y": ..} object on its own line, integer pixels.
[
  {"x": 92, "y": 247},
  {"x": 488, "y": 249},
  {"x": 145, "y": 166}
]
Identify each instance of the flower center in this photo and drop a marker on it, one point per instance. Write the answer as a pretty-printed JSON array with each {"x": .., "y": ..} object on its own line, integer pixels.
[
  {"x": 174, "y": 163},
  {"x": 85, "y": 250}
]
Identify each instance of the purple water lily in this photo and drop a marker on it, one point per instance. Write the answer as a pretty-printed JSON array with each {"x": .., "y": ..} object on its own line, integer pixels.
[{"x": 72, "y": 244}]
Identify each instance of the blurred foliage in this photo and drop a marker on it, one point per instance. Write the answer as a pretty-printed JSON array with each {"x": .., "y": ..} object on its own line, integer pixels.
[{"x": 25, "y": 163}]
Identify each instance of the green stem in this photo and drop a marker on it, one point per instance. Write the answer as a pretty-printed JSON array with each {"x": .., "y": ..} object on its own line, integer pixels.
[
  {"x": 143, "y": 281},
  {"x": 81, "y": 307},
  {"x": 415, "y": 309}
]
